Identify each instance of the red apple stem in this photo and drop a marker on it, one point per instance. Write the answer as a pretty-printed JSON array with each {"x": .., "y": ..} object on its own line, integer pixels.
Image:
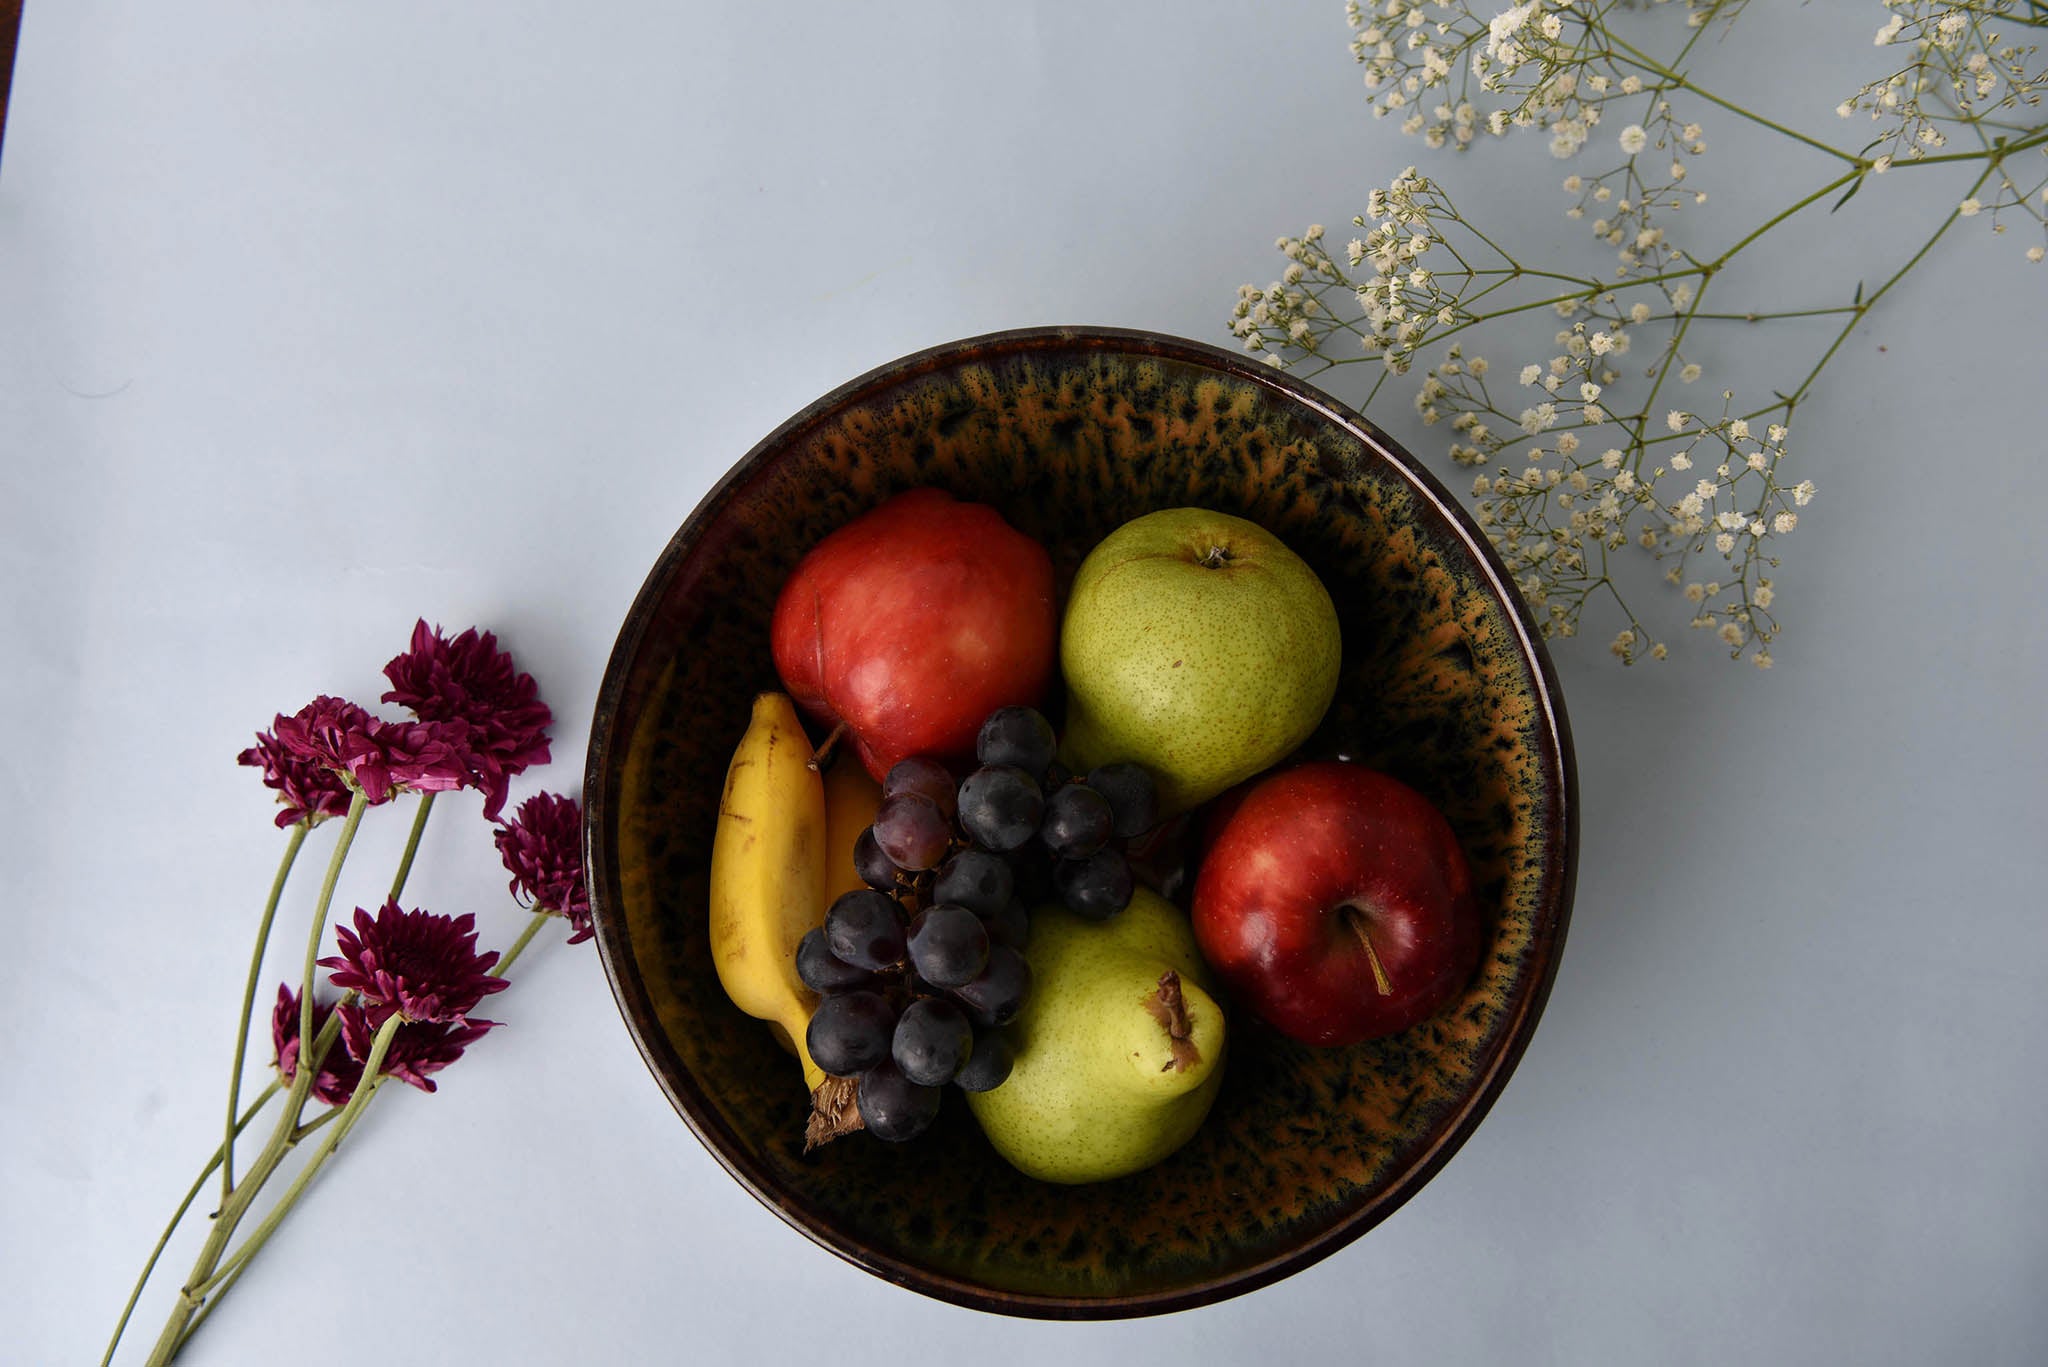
[
  {"x": 824, "y": 750},
  {"x": 1355, "y": 919}
]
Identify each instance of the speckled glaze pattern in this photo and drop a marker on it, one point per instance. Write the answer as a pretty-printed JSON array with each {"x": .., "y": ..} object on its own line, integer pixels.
[{"x": 1070, "y": 433}]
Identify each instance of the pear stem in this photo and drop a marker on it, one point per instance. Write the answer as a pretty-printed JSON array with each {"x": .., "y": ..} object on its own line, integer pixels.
[
  {"x": 1169, "y": 1007},
  {"x": 1355, "y": 919},
  {"x": 824, "y": 750}
]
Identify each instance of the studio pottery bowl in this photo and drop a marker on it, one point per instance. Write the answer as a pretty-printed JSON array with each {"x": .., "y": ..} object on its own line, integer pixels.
[{"x": 1071, "y": 432}]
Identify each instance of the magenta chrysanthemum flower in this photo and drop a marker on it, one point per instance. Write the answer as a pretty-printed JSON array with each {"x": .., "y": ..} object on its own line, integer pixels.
[
  {"x": 423, "y": 966},
  {"x": 339, "y": 1074},
  {"x": 310, "y": 791},
  {"x": 469, "y": 680},
  {"x": 542, "y": 846},
  {"x": 380, "y": 757},
  {"x": 326, "y": 731},
  {"x": 424, "y": 757},
  {"x": 417, "y": 1051}
]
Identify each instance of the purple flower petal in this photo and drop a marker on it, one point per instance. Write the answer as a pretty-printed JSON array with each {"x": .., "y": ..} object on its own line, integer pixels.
[
  {"x": 422, "y": 965},
  {"x": 468, "y": 680},
  {"x": 339, "y": 1074},
  {"x": 542, "y": 847},
  {"x": 417, "y": 1051}
]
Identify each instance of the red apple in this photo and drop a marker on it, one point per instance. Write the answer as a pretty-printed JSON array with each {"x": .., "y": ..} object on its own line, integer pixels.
[
  {"x": 912, "y": 623},
  {"x": 1337, "y": 905}
]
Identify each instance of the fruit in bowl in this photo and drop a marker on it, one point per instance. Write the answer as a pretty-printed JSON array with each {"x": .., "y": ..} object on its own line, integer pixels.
[
  {"x": 1068, "y": 435},
  {"x": 1197, "y": 644},
  {"x": 905, "y": 981},
  {"x": 1119, "y": 1053},
  {"x": 1336, "y": 903},
  {"x": 913, "y": 622}
]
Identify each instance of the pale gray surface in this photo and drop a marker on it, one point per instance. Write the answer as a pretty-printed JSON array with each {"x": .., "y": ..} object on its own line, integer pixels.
[{"x": 314, "y": 317}]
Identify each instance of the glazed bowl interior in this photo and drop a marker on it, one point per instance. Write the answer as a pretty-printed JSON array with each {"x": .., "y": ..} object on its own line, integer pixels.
[{"x": 1070, "y": 433}]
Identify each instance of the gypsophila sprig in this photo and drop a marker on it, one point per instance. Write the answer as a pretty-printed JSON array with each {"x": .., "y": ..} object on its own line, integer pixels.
[
  {"x": 1591, "y": 457},
  {"x": 407, "y": 981}
]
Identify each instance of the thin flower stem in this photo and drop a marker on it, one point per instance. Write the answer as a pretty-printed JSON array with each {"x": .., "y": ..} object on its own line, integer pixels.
[
  {"x": 1499, "y": 250},
  {"x": 1760, "y": 316},
  {"x": 1878, "y": 294},
  {"x": 1385, "y": 375},
  {"x": 248, "y": 1003},
  {"x": 315, "y": 1125},
  {"x": 412, "y": 844},
  {"x": 191, "y": 1195},
  {"x": 284, "y": 869},
  {"x": 367, "y": 1088},
  {"x": 1664, "y": 369},
  {"x": 1686, "y": 51},
  {"x": 219, "y": 1292},
  {"x": 230, "y": 1215},
  {"x": 1636, "y": 57},
  {"x": 1468, "y": 300},
  {"x": 504, "y": 965},
  {"x": 1775, "y": 219},
  {"x": 330, "y": 1031},
  {"x": 356, "y": 803},
  {"x": 345, "y": 1125},
  {"x": 1999, "y": 152},
  {"x": 1552, "y": 301}
]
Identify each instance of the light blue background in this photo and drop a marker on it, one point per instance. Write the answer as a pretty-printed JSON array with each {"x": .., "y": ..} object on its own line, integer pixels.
[{"x": 316, "y": 316}]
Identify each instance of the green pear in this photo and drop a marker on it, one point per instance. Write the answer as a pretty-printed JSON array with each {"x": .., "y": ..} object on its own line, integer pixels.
[
  {"x": 1119, "y": 1047},
  {"x": 1198, "y": 645}
]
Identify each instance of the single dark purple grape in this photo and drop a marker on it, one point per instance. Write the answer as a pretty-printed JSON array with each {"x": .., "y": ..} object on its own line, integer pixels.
[
  {"x": 1077, "y": 821},
  {"x": 997, "y": 993},
  {"x": 1017, "y": 736},
  {"x": 851, "y": 1032},
  {"x": 1000, "y": 807},
  {"x": 892, "y": 1106},
  {"x": 824, "y": 971},
  {"x": 1097, "y": 887},
  {"x": 865, "y": 928},
  {"x": 912, "y": 831},
  {"x": 876, "y": 869},
  {"x": 980, "y": 881},
  {"x": 1011, "y": 926},
  {"x": 932, "y": 1040},
  {"x": 1132, "y": 793},
  {"x": 988, "y": 1067},
  {"x": 948, "y": 945},
  {"x": 927, "y": 776}
]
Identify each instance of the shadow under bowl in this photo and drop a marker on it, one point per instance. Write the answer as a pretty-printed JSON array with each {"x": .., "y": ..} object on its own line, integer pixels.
[{"x": 1071, "y": 432}]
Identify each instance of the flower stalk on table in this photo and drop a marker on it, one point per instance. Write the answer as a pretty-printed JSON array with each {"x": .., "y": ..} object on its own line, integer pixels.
[{"x": 407, "y": 982}]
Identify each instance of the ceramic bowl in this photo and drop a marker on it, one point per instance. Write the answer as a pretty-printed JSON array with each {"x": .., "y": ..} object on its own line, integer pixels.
[{"x": 1070, "y": 432}]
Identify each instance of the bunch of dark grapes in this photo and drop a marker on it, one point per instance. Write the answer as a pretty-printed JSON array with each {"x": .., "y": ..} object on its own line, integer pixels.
[{"x": 920, "y": 970}]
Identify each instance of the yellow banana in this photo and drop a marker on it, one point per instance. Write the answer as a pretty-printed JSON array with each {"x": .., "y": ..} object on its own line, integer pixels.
[
  {"x": 851, "y": 799},
  {"x": 768, "y": 873}
]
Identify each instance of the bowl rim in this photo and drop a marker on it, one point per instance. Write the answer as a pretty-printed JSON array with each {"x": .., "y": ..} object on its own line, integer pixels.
[{"x": 607, "y": 747}]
